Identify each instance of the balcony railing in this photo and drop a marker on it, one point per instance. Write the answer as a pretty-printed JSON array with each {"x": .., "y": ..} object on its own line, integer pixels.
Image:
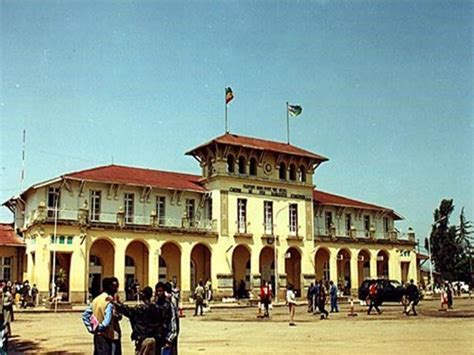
[
  {"x": 82, "y": 216},
  {"x": 357, "y": 234}
]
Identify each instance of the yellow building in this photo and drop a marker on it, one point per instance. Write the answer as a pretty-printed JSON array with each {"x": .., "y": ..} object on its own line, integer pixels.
[{"x": 253, "y": 213}]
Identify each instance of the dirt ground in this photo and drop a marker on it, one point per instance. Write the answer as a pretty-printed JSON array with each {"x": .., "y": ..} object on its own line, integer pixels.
[{"x": 238, "y": 331}]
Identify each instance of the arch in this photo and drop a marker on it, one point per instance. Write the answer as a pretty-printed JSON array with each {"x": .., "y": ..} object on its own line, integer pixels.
[
  {"x": 136, "y": 266},
  {"x": 293, "y": 172},
  {"x": 200, "y": 264},
  {"x": 241, "y": 270},
  {"x": 171, "y": 255},
  {"x": 363, "y": 265},
  {"x": 253, "y": 167},
  {"x": 242, "y": 165},
  {"x": 344, "y": 270},
  {"x": 321, "y": 264},
  {"x": 282, "y": 171},
  {"x": 267, "y": 265},
  {"x": 382, "y": 264},
  {"x": 293, "y": 269},
  {"x": 302, "y": 174},
  {"x": 230, "y": 164},
  {"x": 101, "y": 264}
]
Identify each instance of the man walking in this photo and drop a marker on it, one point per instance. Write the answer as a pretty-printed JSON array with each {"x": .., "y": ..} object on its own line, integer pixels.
[
  {"x": 413, "y": 296},
  {"x": 333, "y": 295},
  {"x": 322, "y": 301},
  {"x": 98, "y": 319},
  {"x": 373, "y": 298}
]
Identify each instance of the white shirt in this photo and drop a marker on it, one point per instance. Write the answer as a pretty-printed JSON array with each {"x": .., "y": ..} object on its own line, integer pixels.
[{"x": 290, "y": 297}]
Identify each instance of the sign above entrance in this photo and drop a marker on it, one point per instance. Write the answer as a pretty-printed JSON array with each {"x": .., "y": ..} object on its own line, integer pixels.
[{"x": 265, "y": 191}]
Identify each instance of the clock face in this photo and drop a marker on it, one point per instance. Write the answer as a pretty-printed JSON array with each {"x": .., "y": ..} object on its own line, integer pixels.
[{"x": 267, "y": 167}]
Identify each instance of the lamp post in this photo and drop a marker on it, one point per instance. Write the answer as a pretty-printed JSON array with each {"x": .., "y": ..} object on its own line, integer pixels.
[{"x": 53, "y": 273}]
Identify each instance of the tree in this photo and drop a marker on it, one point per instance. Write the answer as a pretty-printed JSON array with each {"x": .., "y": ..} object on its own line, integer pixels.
[
  {"x": 465, "y": 240},
  {"x": 445, "y": 249}
]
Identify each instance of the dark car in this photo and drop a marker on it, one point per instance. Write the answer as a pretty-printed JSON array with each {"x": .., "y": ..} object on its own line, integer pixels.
[{"x": 388, "y": 290}]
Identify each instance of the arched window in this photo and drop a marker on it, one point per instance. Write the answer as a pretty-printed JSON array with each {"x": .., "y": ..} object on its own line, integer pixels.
[
  {"x": 253, "y": 167},
  {"x": 292, "y": 172},
  {"x": 242, "y": 167},
  {"x": 230, "y": 164},
  {"x": 302, "y": 173},
  {"x": 283, "y": 171}
]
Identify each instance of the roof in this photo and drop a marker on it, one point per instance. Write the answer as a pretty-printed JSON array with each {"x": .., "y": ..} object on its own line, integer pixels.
[
  {"x": 260, "y": 144},
  {"x": 325, "y": 198},
  {"x": 8, "y": 236},
  {"x": 139, "y": 176}
]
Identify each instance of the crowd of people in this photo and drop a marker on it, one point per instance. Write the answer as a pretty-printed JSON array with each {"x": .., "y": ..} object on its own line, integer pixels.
[{"x": 154, "y": 322}]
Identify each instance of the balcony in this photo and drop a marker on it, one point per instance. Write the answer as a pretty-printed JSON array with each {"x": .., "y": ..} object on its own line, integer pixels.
[
  {"x": 362, "y": 235},
  {"x": 82, "y": 217}
]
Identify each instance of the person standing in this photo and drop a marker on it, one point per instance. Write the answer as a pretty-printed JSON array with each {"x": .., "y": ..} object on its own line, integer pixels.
[
  {"x": 316, "y": 292},
  {"x": 291, "y": 301},
  {"x": 322, "y": 301},
  {"x": 333, "y": 296},
  {"x": 449, "y": 291},
  {"x": 34, "y": 295},
  {"x": 265, "y": 296},
  {"x": 98, "y": 319},
  {"x": 199, "y": 298},
  {"x": 25, "y": 294},
  {"x": 169, "y": 290},
  {"x": 144, "y": 320},
  {"x": 413, "y": 296},
  {"x": 373, "y": 298},
  {"x": 169, "y": 326},
  {"x": 208, "y": 294},
  {"x": 7, "y": 310}
]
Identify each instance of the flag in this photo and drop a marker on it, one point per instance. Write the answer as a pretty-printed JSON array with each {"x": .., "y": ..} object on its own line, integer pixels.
[
  {"x": 229, "y": 95},
  {"x": 294, "y": 110}
]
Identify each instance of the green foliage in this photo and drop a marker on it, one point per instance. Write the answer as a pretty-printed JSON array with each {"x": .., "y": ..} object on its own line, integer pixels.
[{"x": 450, "y": 244}]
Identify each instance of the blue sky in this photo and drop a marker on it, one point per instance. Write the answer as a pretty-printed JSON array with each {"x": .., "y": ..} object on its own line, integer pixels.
[{"x": 386, "y": 89}]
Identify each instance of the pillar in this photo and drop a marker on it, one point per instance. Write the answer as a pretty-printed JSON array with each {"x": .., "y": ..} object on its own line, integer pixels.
[
  {"x": 186, "y": 270},
  {"x": 153, "y": 262},
  {"x": 394, "y": 266},
  {"x": 333, "y": 266},
  {"x": 119, "y": 265},
  {"x": 79, "y": 275},
  {"x": 373, "y": 264},
  {"x": 354, "y": 273}
]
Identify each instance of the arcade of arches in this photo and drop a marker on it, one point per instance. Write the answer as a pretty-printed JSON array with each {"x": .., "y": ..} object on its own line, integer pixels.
[{"x": 143, "y": 264}]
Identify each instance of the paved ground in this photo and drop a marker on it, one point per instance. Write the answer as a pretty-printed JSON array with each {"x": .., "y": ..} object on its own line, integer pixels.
[{"x": 237, "y": 331}]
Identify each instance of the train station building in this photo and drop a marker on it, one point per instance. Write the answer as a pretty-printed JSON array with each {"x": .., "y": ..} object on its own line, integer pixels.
[{"x": 252, "y": 215}]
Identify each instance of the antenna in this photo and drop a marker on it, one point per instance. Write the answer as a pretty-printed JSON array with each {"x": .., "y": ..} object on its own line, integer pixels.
[{"x": 22, "y": 177}]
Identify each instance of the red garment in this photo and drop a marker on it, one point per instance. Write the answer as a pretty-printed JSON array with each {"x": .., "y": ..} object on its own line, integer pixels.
[
  {"x": 264, "y": 292},
  {"x": 373, "y": 289}
]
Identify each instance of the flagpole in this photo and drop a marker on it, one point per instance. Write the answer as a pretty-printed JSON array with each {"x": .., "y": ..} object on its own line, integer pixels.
[
  {"x": 287, "y": 123},
  {"x": 226, "y": 130}
]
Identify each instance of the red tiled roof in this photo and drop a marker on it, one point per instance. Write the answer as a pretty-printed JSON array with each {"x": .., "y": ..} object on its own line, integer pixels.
[
  {"x": 261, "y": 144},
  {"x": 139, "y": 176},
  {"x": 8, "y": 236},
  {"x": 325, "y": 198}
]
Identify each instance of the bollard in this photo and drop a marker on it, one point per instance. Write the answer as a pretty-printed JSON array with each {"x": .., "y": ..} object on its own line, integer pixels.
[{"x": 352, "y": 313}]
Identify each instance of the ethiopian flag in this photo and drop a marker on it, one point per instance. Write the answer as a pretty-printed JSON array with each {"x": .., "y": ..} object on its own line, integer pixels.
[
  {"x": 294, "y": 110},
  {"x": 229, "y": 95}
]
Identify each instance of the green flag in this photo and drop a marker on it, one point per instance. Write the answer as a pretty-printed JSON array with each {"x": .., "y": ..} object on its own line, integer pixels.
[{"x": 294, "y": 110}]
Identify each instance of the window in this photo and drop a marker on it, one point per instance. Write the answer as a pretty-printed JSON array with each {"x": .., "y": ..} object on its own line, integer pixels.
[
  {"x": 129, "y": 205},
  {"x": 242, "y": 215},
  {"x": 53, "y": 201},
  {"x": 230, "y": 164},
  {"x": 253, "y": 167},
  {"x": 386, "y": 225},
  {"x": 282, "y": 171},
  {"x": 302, "y": 173},
  {"x": 209, "y": 208},
  {"x": 294, "y": 219},
  {"x": 328, "y": 222},
  {"x": 160, "y": 209},
  {"x": 242, "y": 167},
  {"x": 293, "y": 172},
  {"x": 367, "y": 225},
  {"x": 190, "y": 211},
  {"x": 348, "y": 224},
  {"x": 69, "y": 240},
  {"x": 95, "y": 205},
  {"x": 62, "y": 239},
  {"x": 6, "y": 268},
  {"x": 268, "y": 217}
]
